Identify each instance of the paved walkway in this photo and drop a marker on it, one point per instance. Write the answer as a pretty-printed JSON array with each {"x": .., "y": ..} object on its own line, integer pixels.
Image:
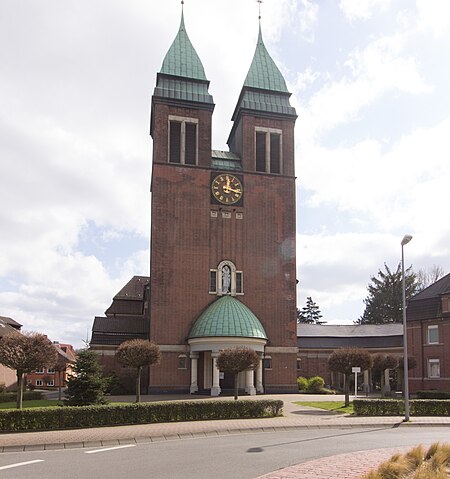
[{"x": 294, "y": 417}]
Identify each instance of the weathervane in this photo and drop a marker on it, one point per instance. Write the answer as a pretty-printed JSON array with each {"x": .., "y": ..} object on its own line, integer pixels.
[
  {"x": 259, "y": 1},
  {"x": 182, "y": 5}
]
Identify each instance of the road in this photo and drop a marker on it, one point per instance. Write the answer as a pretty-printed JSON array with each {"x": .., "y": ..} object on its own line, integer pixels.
[{"x": 233, "y": 456}]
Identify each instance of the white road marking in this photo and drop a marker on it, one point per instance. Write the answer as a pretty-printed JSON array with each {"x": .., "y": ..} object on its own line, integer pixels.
[
  {"x": 109, "y": 448},
  {"x": 18, "y": 464}
]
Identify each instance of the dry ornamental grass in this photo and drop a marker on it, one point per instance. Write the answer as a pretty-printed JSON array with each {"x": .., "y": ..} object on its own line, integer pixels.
[{"x": 418, "y": 463}]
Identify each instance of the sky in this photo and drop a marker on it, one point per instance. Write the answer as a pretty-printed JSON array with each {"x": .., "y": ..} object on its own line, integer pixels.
[{"x": 370, "y": 80}]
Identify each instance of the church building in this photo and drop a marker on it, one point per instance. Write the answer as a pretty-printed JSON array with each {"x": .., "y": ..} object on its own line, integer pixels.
[{"x": 222, "y": 259}]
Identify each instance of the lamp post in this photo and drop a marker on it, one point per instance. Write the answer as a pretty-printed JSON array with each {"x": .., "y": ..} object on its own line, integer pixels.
[{"x": 406, "y": 239}]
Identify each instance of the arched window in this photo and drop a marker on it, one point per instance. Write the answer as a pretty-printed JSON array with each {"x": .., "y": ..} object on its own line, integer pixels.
[{"x": 226, "y": 280}]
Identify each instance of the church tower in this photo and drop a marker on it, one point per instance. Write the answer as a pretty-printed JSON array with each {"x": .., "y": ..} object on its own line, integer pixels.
[{"x": 222, "y": 262}]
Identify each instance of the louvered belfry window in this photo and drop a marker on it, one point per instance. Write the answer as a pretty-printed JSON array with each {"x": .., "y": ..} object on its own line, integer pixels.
[
  {"x": 183, "y": 140},
  {"x": 268, "y": 148}
]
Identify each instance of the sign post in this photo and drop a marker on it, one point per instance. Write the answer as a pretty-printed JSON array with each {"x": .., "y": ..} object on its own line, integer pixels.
[{"x": 356, "y": 370}]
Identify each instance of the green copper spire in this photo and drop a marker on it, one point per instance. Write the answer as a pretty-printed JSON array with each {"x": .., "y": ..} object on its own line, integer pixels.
[
  {"x": 263, "y": 73},
  {"x": 227, "y": 317},
  {"x": 182, "y": 59}
]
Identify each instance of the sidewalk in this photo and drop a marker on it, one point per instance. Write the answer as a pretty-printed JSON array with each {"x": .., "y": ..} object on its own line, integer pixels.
[{"x": 294, "y": 417}]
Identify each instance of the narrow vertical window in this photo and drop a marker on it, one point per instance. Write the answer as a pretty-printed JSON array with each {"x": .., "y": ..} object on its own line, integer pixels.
[
  {"x": 434, "y": 368},
  {"x": 260, "y": 151},
  {"x": 239, "y": 289},
  {"x": 433, "y": 334},
  {"x": 275, "y": 145},
  {"x": 213, "y": 281},
  {"x": 175, "y": 142},
  {"x": 190, "y": 145}
]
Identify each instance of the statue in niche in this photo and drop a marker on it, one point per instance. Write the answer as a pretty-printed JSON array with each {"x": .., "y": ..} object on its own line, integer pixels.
[{"x": 226, "y": 279}]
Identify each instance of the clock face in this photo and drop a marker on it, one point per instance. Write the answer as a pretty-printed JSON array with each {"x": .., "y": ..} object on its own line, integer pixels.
[{"x": 227, "y": 189}]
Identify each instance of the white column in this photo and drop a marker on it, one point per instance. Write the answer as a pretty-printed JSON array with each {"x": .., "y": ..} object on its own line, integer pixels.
[
  {"x": 259, "y": 376},
  {"x": 387, "y": 384},
  {"x": 194, "y": 372},
  {"x": 366, "y": 382},
  {"x": 215, "y": 390},
  {"x": 249, "y": 383}
]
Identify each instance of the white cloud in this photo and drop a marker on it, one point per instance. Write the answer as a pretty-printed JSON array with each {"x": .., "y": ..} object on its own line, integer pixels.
[
  {"x": 363, "y": 9},
  {"x": 434, "y": 15},
  {"x": 372, "y": 72}
]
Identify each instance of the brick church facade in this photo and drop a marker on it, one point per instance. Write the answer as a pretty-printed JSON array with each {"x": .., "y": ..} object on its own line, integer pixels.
[{"x": 223, "y": 266}]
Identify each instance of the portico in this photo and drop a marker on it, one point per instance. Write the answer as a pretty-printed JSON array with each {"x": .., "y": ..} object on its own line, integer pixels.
[{"x": 226, "y": 323}]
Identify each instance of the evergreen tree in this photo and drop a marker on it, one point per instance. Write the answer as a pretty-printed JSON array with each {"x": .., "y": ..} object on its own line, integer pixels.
[
  {"x": 87, "y": 385},
  {"x": 384, "y": 302},
  {"x": 310, "y": 313}
]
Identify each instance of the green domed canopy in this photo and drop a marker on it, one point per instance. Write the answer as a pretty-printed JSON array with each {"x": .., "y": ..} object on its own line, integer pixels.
[{"x": 227, "y": 317}]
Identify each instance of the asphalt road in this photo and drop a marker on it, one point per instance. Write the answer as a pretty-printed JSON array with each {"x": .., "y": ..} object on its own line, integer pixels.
[{"x": 234, "y": 456}]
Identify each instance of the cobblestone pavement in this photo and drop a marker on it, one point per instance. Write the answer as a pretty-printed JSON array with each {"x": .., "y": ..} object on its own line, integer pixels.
[
  {"x": 343, "y": 466},
  {"x": 295, "y": 416}
]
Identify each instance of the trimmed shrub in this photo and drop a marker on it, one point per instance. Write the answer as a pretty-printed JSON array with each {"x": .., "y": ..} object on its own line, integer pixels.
[
  {"x": 27, "y": 396},
  {"x": 378, "y": 407},
  {"x": 395, "y": 407},
  {"x": 70, "y": 417},
  {"x": 315, "y": 384},
  {"x": 302, "y": 383},
  {"x": 433, "y": 394},
  {"x": 430, "y": 407}
]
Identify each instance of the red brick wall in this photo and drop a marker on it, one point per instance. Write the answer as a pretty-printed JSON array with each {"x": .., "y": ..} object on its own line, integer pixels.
[
  {"x": 186, "y": 242},
  {"x": 419, "y": 348}
]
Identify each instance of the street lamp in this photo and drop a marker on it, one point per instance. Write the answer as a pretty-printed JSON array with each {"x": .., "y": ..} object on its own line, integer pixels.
[{"x": 406, "y": 239}]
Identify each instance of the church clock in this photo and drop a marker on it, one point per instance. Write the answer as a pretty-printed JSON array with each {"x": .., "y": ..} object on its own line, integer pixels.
[{"x": 227, "y": 189}]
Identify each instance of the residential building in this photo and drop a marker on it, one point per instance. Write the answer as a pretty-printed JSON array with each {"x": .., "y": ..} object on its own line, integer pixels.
[{"x": 428, "y": 328}]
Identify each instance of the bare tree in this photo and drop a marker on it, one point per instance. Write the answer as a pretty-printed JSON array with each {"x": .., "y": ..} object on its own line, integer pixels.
[
  {"x": 236, "y": 360},
  {"x": 343, "y": 360},
  {"x": 427, "y": 276},
  {"x": 138, "y": 353},
  {"x": 26, "y": 352}
]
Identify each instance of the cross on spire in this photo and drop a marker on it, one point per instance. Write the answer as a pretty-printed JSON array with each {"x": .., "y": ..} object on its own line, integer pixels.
[{"x": 259, "y": 1}]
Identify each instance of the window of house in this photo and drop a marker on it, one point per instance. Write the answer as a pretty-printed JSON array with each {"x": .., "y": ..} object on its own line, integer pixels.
[
  {"x": 182, "y": 361},
  {"x": 268, "y": 143},
  {"x": 433, "y": 334},
  {"x": 50, "y": 382},
  {"x": 39, "y": 371},
  {"x": 434, "y": 368},
  {"x": 51, "y": 370},
  {"x": 299, "y": 364},
  {"x": 267, "y": 362},
  {"x": 226, "y": 280},
  {"x": 183, "y": 140},
  {"x": 39, "y": 382}
]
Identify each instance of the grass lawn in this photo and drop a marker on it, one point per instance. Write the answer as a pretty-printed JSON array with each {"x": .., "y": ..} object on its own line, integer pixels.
[
  {"x": 32, "y": 403},
  {"x": 337, "y": 406}
]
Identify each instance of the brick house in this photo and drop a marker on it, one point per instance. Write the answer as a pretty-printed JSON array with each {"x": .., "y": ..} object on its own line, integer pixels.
[
  {"x": 8, "y": 376},
  {"x": 428, "y": 329},
  {"x": 57, "y": 375}
]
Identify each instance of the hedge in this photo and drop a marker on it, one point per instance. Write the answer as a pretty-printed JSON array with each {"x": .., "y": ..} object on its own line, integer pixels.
[
  {"x": 27, "y": 396},
  {"x": 433, "y": 394},
  {"x": 395, "y": 407},
  {"x": 69, "y": 417}
]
